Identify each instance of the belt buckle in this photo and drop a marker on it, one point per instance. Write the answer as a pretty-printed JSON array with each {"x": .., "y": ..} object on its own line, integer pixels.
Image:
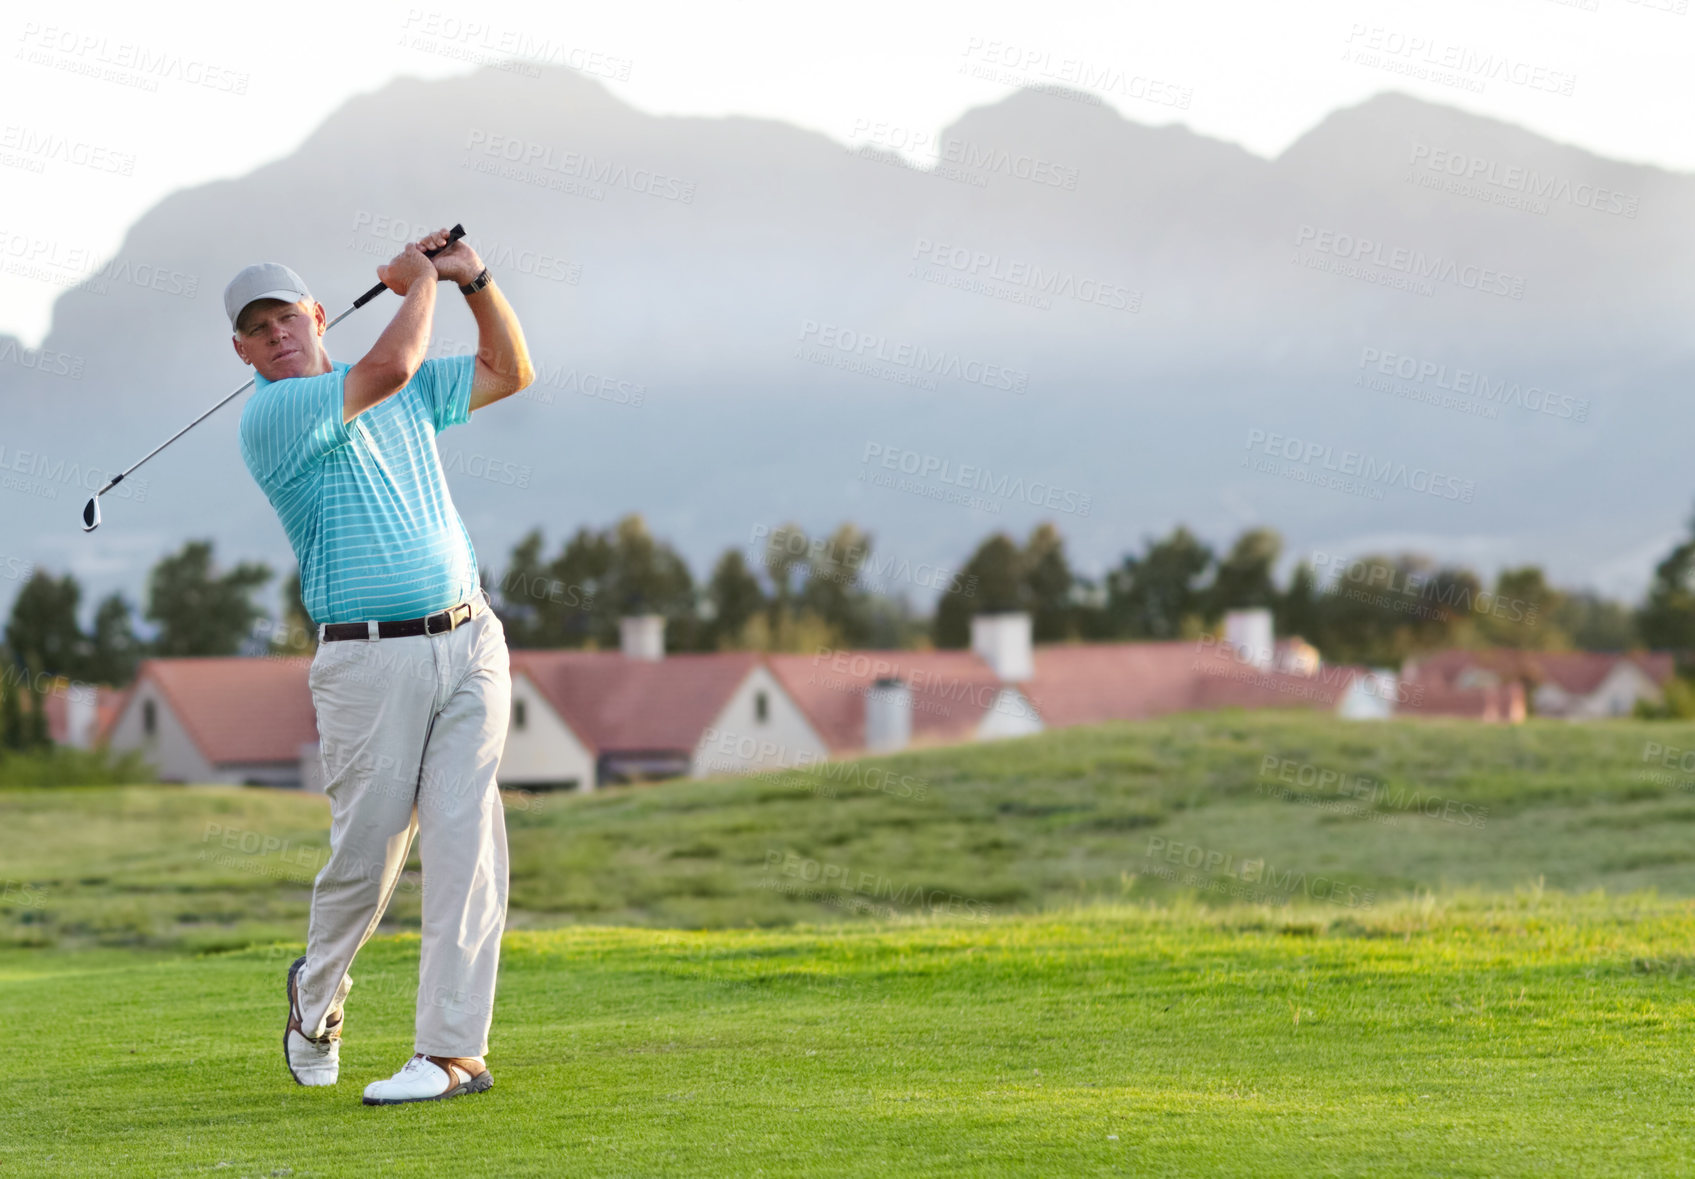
[
  {"x": 371, "y": 634},
  {"x": 451, "y": 618}
]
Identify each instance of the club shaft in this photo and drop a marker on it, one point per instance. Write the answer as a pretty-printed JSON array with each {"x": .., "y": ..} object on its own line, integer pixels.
[
  {"x": 119, "y": 478},
  {"x": 245, "y": 386}
]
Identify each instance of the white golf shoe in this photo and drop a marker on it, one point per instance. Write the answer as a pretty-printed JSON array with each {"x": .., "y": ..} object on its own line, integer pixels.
[
  {"x": 310, "y": 1062},
  {"x": 430, "y": 1078}
]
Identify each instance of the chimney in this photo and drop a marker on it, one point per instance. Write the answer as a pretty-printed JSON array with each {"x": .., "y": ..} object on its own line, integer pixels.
[
  {"x": 80, "y": 715},
  {"x": 1249, "y": 631},
  {"x": 888, "y": 715},
  {"x": 1003, "y": 642},
  {"x": 642, "y": 636}
]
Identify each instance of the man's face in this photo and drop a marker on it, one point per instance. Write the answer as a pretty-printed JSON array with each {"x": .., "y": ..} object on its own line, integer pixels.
[{"x": 282, "y": 340}]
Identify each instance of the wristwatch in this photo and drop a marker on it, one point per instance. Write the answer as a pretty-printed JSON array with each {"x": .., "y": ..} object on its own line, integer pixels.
[{"x": 476, "y": 284}]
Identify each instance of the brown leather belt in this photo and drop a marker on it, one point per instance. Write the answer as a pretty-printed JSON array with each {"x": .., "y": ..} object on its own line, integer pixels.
[{"x": 431, "y": 624}]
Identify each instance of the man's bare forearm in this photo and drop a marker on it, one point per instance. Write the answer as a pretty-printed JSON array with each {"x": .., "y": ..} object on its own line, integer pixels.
[
  {"x": 396, "y": 356},
  {"x": 503, "y": 358},
  {"x": 406, "y": 339}
]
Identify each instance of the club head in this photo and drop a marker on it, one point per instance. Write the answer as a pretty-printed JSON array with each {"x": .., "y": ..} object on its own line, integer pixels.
[{"x": 91, "y": 515}]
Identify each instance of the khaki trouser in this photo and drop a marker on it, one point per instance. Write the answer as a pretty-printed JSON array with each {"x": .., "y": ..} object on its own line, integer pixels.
[{"x": 412, "y": 731}]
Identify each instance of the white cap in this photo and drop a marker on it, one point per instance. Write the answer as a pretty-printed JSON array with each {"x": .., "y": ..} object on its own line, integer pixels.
[{"x": 263, "y": 280}]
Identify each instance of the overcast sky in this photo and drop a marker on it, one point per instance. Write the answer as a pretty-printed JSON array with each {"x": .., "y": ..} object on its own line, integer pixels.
[{"x": 107, "y": 106}]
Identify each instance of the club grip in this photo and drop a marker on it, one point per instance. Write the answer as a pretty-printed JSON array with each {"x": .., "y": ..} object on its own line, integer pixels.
[{"x": 453, "y": 235}]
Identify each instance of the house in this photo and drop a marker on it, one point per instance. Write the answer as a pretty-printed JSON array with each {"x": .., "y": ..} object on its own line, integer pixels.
[
  {"x": 579, "y": 718},
  {"x": 875, "y": 701},
  {"x": 880, "y": 701},
  {"x": 1577, "y": 685},
  {"x": 238, "y": 720},
  {"x": 591, "y": 717},
  {"x": 1495, "y": 703},
  {"x": 78, "y": 713},
  {"x": 1089, "y": 683},
  {"x": 584, "y": 718}
]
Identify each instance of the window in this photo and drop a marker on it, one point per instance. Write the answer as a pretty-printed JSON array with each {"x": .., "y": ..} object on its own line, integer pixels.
[
  {"x": 149, "y": 718},
  {"x": 761, "y": 707},
  {"x": 518, "y": 717}
]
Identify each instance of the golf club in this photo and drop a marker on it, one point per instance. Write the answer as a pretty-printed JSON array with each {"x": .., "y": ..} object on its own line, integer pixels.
[{"x": 91, "y": 511}]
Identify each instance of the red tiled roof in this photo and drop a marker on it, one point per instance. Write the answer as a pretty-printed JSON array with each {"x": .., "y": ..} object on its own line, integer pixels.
[
  {"x": 1224, "y": 682},
  {"x": 951, "y": 690},
  {"x": 613, "y": 702},
  {"x": 238, "y": 709},
  {"x": 1501, "y": 702},
  {"x": 1577, "y": 672},
  {"x": 103, "y": 731},
  {"x": 1082, "y": 684}
]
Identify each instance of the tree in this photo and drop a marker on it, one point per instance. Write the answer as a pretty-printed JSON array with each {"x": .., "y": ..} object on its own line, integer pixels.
[
  {"x": 648, "y": 576},
  {"x": 894, "y": 624},
  {"x": 734, "y": 597},
  {"x": 1520, "y": 612},
  {"x": 552, "y": 604},
  {"x": 785, "y": 555},
  {"x": 114, "y": 649},
  {"x": 20, "y": 729},
  {"x": 198, "y": 610},
  {"x": 832, "y": 592},
  {"x": 548, "y": 603},
  {"x": 995, "y": 574},
  {"x": 1382, "y": 609},
  {"x": 1149, "y": 597},
  {"x": 43, "y": 634},
  {"x": 1297, "y": 609},
  {"x": 576, "y": 599},
  {"x": 1667, "y": 619},
  {"x": 1000, "y": 577},
  {"x": 296, "y": 634},
  {"x": 1594, "y": 623},
  {"x": 1244, "y": 576},
  {"x": 1050, "y": 586}
]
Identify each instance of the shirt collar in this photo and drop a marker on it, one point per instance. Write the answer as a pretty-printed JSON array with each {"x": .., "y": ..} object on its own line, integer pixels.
[{"x": 336, "y": 366}]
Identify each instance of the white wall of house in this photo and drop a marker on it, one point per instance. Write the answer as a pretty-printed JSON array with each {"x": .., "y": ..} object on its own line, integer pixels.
[
  {"x": 1370, "y": 696},
  {"x": 738, "y": 741},
  {"x": 1552, "y": 700},
  {"x": 1011, "y": 715},
  {"x": 1616, "y": 695},
  {"x": 169, "y": 747},
  {"x": 545, "y": 750}
]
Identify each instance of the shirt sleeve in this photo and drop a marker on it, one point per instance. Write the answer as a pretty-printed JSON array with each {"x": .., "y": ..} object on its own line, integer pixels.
[
  {"x": 290, "y": 426},
  {"x": 444, "y": 385}
]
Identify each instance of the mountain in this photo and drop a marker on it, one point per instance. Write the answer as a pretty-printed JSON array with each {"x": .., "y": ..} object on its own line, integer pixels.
[{"x": 1067, "y": 305}]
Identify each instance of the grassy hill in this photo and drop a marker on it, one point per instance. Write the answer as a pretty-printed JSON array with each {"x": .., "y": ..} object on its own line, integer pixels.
[
  {"x": 1528, "y": 1035},
  {"x": 1264, "y": 808}
]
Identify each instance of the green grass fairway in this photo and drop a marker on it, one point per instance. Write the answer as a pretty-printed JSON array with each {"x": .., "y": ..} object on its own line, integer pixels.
[
  {"x": 1240, "y": 945},
  {"x": 1530, "y": 1035}
]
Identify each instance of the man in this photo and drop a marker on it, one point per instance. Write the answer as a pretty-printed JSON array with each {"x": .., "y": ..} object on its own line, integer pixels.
[{"x": 410, "y": 682}]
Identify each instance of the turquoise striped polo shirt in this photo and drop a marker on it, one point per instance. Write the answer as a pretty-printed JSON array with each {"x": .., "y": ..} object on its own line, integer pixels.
[{"x": 364, "y": 502}]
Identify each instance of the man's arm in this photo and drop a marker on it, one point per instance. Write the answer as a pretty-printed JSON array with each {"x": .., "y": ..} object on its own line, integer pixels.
[
  {"x": 398, "y": 352},
  {"x": 503, "y": 359}
]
